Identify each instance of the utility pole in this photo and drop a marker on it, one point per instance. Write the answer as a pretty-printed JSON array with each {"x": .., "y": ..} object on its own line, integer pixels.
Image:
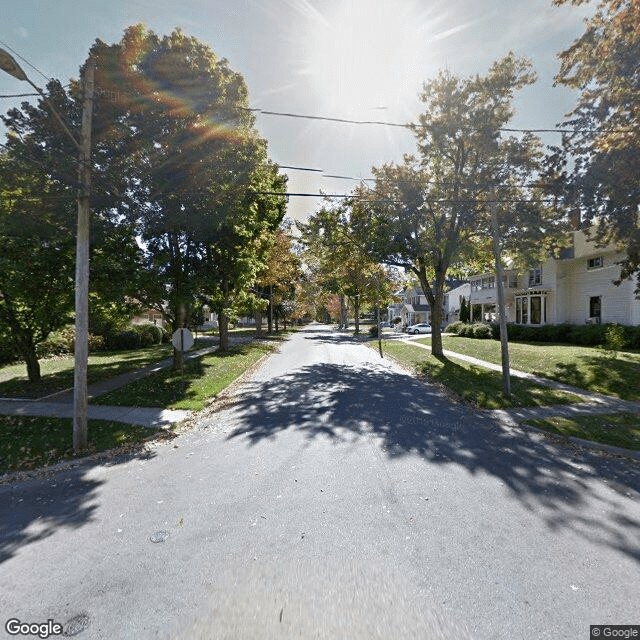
[
  {"x": 80, "y": 399},
  {"x": 502, "y": 316}
]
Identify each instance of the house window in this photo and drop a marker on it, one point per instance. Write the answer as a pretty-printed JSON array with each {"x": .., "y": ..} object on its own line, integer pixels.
[
  {"x": 537, "y": 309},
  {"x": 510, "y": 281},
  {"x": 595, "y": 309},
  {"x": 531, "y": 309},
  {"x": 476, "y": 285},
  {"x": 522, "y": 310},
  {"x": 535, "y": 276},
  {"x": 595, "y": 263},
  {"x": 489, "y": 282}
]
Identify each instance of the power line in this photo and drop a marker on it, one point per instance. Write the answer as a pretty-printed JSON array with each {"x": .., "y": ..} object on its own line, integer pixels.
[
  {"x": 19, "y": 95},
  {"x": 6, "y": 46},
  {"x": 456, "y": 200},
  {"x": 408, "y": 125},
  {"x": 282, "y": 166}
]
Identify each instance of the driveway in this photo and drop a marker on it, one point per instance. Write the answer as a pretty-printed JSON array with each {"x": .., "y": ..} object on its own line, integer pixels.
[{"x": 334, "y": 497}]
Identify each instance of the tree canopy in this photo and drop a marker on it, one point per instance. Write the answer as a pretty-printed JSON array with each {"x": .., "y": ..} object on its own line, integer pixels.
[
  {"x": 601, "y": 157},
  {"x": 433, "y": 208}
]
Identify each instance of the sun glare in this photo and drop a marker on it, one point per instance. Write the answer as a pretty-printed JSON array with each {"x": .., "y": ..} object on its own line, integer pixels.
[{"x": 364, "y": 56}]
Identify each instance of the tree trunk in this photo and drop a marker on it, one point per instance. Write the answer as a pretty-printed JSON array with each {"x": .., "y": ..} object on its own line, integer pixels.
[
  {"x": 27, "y": 349},
  {"x": 258, "y": 318},
  {"x": 436, "y": 323},
  {"x": 178, "y": 360},
  {"x": 356, "y": 307},
  {"x": 502, "y": 313},
  {"x": 223, "y": 324},
  {"x": 33, "y": 366},
  {"x": 343, "y": 313},
  {"x": 435, "y": 297},
  {"x": 276, "y": 319},
  {"x": 270, "y": 309}
]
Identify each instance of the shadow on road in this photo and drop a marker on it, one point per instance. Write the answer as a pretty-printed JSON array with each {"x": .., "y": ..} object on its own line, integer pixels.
[
  {"x": 35, "y": 509},
  {"x": 407, "y": 417}
]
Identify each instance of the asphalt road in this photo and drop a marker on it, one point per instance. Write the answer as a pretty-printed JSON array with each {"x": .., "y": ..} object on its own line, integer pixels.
[{"x": 337, "y": 497}]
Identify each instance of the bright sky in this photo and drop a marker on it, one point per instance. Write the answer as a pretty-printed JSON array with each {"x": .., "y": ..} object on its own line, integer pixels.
[{"x": 353, "y": 59}]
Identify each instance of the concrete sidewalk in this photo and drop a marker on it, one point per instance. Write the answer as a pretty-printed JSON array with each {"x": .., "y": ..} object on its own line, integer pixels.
[
  {"x": 60, "y": 405},
  {"x": 594, "y": 403},
  {"x": 143, "y": 416}
]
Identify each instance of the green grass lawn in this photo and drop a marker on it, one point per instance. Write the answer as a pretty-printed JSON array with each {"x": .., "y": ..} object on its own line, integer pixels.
[
  {"x": 474, "y": 384},
  {"x": 585, "y": 367},
  {"x": 620, "y": 430},
  {"x": 29, "y": 442},
  {"x": 57, "y": 373},
  {"x": 204, "y": 377}
]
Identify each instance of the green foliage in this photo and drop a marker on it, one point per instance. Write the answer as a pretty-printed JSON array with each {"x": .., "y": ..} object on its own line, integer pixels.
[
  {"x": 589, "y": 335},
  {"x": 373, "y": 331},
  {"x": 465, "y": 311},
  {"x": 454, "y": 327},
  {"x": 602, "y": 149},
  {"x": 475, "y": 330},
  {"x": 615, "y": 338},
  {"x": 429, "y": 211},
  {"x": 122, "y": 340}
]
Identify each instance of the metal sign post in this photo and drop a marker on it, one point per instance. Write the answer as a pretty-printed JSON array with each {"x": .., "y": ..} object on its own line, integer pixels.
[{"x": 182, "y": 340}]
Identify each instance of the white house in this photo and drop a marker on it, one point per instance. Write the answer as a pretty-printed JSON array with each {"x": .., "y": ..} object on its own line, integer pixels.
[
  {"x": 576, "y": 288},
  {"x": 414, "y": 307},
  {"x": 453, "y": 302}
]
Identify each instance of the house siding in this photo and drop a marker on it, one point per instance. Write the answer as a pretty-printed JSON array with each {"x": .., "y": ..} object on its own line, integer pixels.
[
  {"x": 581, "y": 284},
  {"x": 569, "y": 284}
]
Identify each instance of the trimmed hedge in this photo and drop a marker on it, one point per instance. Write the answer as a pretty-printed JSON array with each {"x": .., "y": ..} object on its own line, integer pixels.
[
  {"x": 476, "y": 330},
  {"x": 586, "y": 335}
]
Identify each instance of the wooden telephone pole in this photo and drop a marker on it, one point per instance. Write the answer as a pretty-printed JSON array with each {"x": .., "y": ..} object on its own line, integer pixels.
[{"x": 80, "y": 399}]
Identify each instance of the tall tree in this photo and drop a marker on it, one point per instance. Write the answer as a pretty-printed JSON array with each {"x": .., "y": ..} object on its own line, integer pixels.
[
  {"x": 601, "y": 157},
  {"x": 38, "y": 225},
  {"x": 277, "y": 281},
  {"x": 423, "y": 213},
  {"x": 196, "y": 164},
  {"x": 339, "y": 258}
]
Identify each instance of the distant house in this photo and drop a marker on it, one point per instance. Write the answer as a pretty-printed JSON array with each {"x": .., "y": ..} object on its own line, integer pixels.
[
  {"x": 576, "y": 288},
  {"x": 413, "y": 306},
  {"x": 149, "y": 315},
  {"x": 453, "y": 301}
]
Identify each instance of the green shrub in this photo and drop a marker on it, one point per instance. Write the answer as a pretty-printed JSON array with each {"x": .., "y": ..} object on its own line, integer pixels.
[
  {"x": 481, "y": 331},
  {"x": 56, "y": 344},
  {"x": 588, "y": 335},
  {"x": 615, "y": 338},
  {"x": 123, "y": 340},
  {"x": 373, "y": 331},
  {"x": 454, "y": 327},
  {"x": 633, "y": 335},
  {"x": 96, "y": 343},
  {"x": 149, "y": 333}
]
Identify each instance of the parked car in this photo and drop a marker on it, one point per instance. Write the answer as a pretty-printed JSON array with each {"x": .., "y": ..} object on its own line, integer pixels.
[{"x": 421, "y": 327}]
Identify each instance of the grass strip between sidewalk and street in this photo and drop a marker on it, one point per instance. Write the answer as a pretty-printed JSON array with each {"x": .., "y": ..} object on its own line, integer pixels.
[
  {"x": 588, "y": 368},
  {"x": 57, "y": 373},
  {"x": 619, "y": 430},
  {"x": 31, "y": 442},
  {"x": 204, "y": 377},
  {"x": 477, "y": 385}
]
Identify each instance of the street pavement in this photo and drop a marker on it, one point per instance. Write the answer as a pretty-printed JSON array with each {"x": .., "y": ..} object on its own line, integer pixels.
[{"x": 335, "y": 496}]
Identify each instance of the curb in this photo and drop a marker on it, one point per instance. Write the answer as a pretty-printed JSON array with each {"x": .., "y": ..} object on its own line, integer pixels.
[{"x": 587, "y": 444}]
